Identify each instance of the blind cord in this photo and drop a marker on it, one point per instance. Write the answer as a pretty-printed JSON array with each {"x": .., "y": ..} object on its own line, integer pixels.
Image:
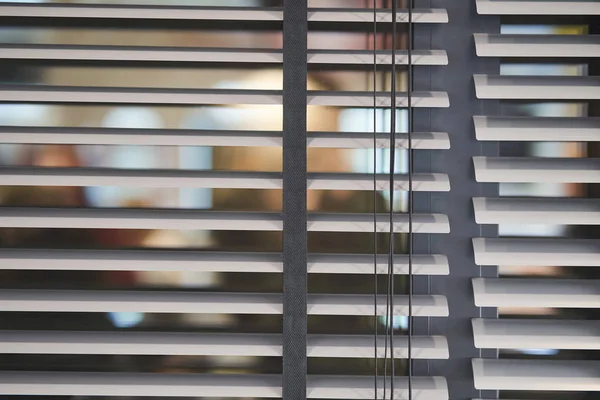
[
  {"x": 410, "y": 196},
  {"x": 375, "y": 241},
  {"x": 392, "y": 170}
]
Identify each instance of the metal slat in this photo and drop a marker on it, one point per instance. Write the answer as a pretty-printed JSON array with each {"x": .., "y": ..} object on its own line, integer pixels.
[
  {"x": 120, "y": 218},
  {"x": 537, "y": 169},
  {"x": 537, "y": 252},
  {"x": 536, "y": 210},
  {"x": 542, "y": 375},
  {"x": 177, "y": 178},
  {"x": 548, "y": 293},
  {"x": 362, "y": 15},
  {"x": 138, "y": 384},
  {"x": 225, "y": 14},
  {"x": 537, "y": 129},
  {"x": 185, "y": 137},
  {"x": 422, "y": 223},
  {"x": 362, "y": 387},
  {"x": 170, "y": 260},
  {"x": 134, "y": 95},
  {"x": 243, "y": 345},
  {"x": 365, "y": 99},
  {"x": 538, "y": 7},
  {"x": 529, "y": 46},
  {"x": 363, "y": 264},
  {"x": 510, "y": 87},
  {"x": 208, "y": 303},
  {"x": 208, "y": 55},
  {"x": 141, "y": 12},
  {"x": 207, "y": 385},
  {"x": 536, "y": 334}
]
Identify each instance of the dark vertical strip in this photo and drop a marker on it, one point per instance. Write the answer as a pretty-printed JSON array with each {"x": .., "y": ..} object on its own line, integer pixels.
[
  {"x": 295, "y": 26},
  {"x": 456, "y": 78}
]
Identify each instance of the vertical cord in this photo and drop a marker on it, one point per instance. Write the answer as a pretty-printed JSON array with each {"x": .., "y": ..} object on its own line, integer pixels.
[
  {"x": 410, "y": 197},
  {"x": 375, "y": 195},
  {"x": 391, "y": 275}
]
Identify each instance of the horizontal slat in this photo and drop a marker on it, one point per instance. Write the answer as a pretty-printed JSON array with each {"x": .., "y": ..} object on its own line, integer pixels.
[
  {"x": 549, "y": 293},
  {"x": 136, "y": 95},
  {"x": 536, "y": 334},
  {"x": 421, "y": 223},
  {"x": 537, "y": 169},
  {"x": 169, "y": 260},
  {"x": 538, "y": 129},
  {"x": 208, "y": 303},
  {"x": 365, "y": 99},
  {"x": 120, "y": 218},
  {"x": 354, "y": 181},
  {"x": 209, "y": 55},
  {"x": 538, "y": 7},
  {"x": 537, "y": 87},
  {"x": 363, "y": 15},
  {"x": 537, "y": 252},
  {"x": 543, "y": 375},
  {"x": 133, "y": 95},
  {"x": 177, "y": 178},
  {"x": 262, "y": 345},
  {"x": 348, "y": 346},
  {"x": 537, "y": 45},
  {"x": 102, "y": 11},
  {"x": 350, "y": 140},
  {"x": 207, "y": 385},
  {"x": 104, "y": 218},
  {"x": 137, "y": 12},
  {"x": 532, "y": 210},
  {"x": 184, "y": 137},
  {"x": 137, "y": 384},
  {"x": 363, "y": 264}
]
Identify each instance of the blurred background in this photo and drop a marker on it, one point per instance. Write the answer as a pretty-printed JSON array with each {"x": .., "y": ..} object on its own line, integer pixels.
[{"x": 239, "y": 158}]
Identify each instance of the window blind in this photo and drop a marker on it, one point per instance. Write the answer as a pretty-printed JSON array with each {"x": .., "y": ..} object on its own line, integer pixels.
[
  {"x": 456, "y": 128},
  {"x": 293, "y": 261},
  {"x": 564, "y": 375}
]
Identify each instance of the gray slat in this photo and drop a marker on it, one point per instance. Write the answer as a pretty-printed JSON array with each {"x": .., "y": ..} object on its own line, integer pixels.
[
  {"x": 208, "y": 303},
  {"x": 178, "y": 178},
  {"x": 179, "y": 219},
  {"x": 537, "y": 129},
  {"x": 362, "y": 15},
  {"x": 537, "y": 45},
  {"x": 134, "y": 95},
  {"x": 210, "y": 55},
  {"x": 244, "y": 345},
  {"x": 538, "y": 7},
  {"x": 175, "y": 260},
  {"x": 137, "y": 95},
  {"x": 365, "y": 99},
  {"x": 208, "y": 385},
  {"x": 536, "y": 334},
  {"x": 185, "y": 137},
  {"x": 208, "y": 13},
  {"x": 536, "y": 210},
  {"x": 542, "y": 375},
  {"x": 537, "y": 252},
  {"x": 537, "y": 169},
  {"x": 525, "y": 87},
  {"x": 138, "y": 384},
  {"x": 548, "y": 293}
]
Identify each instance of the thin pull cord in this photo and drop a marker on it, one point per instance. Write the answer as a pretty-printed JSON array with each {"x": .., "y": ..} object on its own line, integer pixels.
[
  {"x": 375, "y": 386},
  {"x": 392, "y": 170},
  {"x": 410, "y": 197}
]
